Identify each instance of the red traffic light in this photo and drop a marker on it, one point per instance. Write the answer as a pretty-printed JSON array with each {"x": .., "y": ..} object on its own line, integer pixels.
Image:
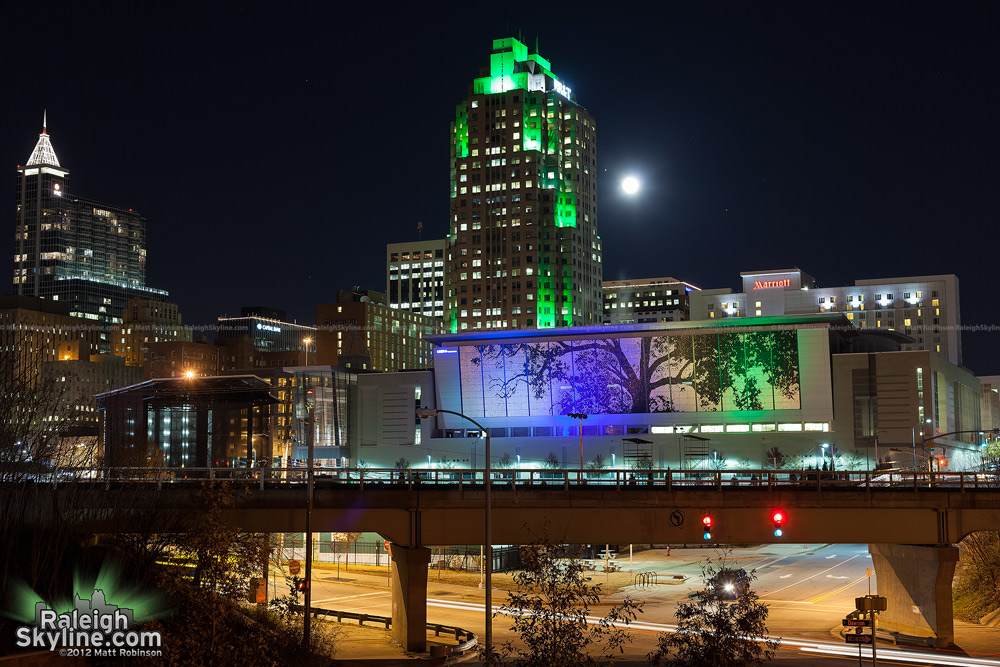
[
  {"x": 707, "y": 523},
  {"x": 302, "y": 584},
  {"x": 778, "y": 519}
]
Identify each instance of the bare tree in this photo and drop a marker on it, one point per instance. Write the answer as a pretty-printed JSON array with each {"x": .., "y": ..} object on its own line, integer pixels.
[
  {"x": 977, "y": 586},
  {"x": 711, "y": 630},
  {"x": 345, "y": 541},
  {"x": 550, "y": 608}
]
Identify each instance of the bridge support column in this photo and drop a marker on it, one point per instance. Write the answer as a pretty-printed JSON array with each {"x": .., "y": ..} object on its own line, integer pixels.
[
  {"x": 409, "y": 596},
  {"x": 916, "y": 582}
]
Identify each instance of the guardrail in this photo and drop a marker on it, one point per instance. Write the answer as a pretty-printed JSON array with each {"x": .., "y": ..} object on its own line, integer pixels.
[
  {"x": 520, "y": 478},
  {"x": 464, "y": 645}
]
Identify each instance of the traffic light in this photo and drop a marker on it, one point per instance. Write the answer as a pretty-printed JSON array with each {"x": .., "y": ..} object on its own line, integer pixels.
[
  {"x": 302, "y": 585},
  {"x": 778, "y": 519},
  {"x": 707, "y": 522}
]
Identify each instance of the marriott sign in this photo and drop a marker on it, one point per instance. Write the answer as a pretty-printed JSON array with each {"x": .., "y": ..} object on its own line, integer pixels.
[{"x": 765, "y": 284}]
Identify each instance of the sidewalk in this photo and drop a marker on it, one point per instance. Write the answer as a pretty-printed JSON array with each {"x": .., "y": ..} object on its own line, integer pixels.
[{"x": 361, "y": 645}]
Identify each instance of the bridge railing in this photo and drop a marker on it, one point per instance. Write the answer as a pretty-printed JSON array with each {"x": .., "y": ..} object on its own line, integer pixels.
[{"x": 522, "y": 478}]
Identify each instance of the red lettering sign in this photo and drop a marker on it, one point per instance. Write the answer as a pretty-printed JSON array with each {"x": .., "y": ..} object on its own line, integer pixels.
[{"x": 765, "y": 284}]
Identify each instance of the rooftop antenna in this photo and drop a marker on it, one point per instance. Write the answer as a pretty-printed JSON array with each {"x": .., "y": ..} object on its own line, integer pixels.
[
  {"x": 45, "y": 119},
  {"x": 536, "y": 43},
  {"x": 420, "y": 231}
]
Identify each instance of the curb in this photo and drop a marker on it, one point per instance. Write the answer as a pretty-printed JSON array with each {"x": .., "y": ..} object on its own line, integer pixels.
[{"x": 897, "y": 638}]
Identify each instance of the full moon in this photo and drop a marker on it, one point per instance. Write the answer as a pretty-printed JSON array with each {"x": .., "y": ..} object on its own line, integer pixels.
[{"x": 630, "y": 185}]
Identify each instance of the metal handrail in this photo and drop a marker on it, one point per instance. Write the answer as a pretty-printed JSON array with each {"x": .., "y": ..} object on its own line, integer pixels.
[
  {"x": 621, "y": 480},
  {"x": 470, "y": 637}
]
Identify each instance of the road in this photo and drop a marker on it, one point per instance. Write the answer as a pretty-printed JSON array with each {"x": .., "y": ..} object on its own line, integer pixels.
[{"x": 808, "y": 590}]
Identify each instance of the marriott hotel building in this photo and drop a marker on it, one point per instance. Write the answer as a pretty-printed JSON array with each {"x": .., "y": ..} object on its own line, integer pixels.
[{"x": 924, "y": 308}]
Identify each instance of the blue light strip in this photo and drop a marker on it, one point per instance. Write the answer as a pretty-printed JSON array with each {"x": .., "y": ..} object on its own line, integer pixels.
[{"x": 604, "y": 329}]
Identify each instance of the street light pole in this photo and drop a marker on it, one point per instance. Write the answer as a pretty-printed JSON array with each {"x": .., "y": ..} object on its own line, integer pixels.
[
  {"x": 914, "y": 433},
  {"x": 424, "y": 413},
  {"x": 307, "y": 618}
]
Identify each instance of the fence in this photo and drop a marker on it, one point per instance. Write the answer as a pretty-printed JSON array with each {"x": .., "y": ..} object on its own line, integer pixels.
[{"x": 462, "y": 558}]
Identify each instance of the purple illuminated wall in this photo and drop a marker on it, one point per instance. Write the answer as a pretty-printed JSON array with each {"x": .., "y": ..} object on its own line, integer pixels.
[{"x": 625, "y": 375}]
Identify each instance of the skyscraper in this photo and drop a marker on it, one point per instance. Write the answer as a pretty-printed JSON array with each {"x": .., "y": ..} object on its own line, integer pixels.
[
  {"x": 523, "y": 249},
  {"x": 87, "y": 254},
  {"x": 414, "y": 279}
]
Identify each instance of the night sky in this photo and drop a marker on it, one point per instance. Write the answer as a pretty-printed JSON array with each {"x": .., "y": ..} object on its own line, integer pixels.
[{"x": 276, "y": 148}]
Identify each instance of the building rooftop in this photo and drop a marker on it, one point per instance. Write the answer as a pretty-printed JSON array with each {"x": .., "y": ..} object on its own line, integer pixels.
[
  {"x": 229, "y": 385},
  {"x": 604, "y": 329},
  {"x": 43, "y": 153}
]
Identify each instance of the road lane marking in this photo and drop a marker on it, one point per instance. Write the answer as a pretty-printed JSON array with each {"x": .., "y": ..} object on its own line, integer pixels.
[
  {"x": 905, "y": 657},
  {"x": 784, "y": 576},
  {"x": 842, "y": 588},
  {"x": 809, "y": 645},
  {"x": 349, "y": 597},
  {"x": 832, "y": 576},
  {"x": 813, "y": 576}
]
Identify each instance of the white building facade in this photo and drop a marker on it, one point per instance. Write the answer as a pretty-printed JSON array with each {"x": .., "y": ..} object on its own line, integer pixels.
[{"x": 925, "y": 308}]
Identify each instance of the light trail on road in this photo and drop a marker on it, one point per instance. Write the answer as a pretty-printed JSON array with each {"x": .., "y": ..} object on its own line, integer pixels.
[{"x": 805, "y": 645}]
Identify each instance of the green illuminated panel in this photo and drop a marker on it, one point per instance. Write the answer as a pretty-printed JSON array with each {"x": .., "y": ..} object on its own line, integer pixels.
[
  {"x": 546, "y": 65},
  {"x": 532, "y": 135},
  {"x": 460, "y": 129},
  {"x": 509, "y": 43},
  {"x": 567, "y": 294}
]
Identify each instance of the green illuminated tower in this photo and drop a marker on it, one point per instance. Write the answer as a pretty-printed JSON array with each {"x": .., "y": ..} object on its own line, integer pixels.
[{"x": 523, "y": 249}]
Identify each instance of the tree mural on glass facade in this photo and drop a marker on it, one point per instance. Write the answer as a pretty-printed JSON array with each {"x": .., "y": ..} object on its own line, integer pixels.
[{"x": 729, "y": 371}]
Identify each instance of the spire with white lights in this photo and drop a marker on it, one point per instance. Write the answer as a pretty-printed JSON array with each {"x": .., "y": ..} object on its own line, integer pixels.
[{"x": 43, "y": 153}]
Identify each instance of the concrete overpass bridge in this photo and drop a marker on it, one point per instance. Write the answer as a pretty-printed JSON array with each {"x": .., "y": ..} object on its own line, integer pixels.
[{"x": 909, "y": 520}]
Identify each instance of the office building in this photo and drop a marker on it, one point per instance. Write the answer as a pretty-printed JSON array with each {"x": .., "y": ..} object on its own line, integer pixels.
[
  {"x": 523, "y": 249},
  {"x": 645, "y": 300},
  {"x": 146, "y": 321},
  {"x": 43, "y": 347},
  {"x": 83, "y": 379},
  {"x": 361, "y": 332},
  {"x": 181, "y": 358},
  {"x": 414, "y": 279},
  {"x": 87, "y": 254},
  {"x": 281, "y": 429},
  {"x": 262, "y": 336},
  {"x": 990, "y": 406},
  {"x": 909, "y": 408},
  {"x": 188, "y": 422},
  {"x": 924, "y": 308}
]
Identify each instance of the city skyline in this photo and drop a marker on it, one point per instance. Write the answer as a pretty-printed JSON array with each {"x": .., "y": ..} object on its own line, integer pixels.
[{"x": 847, "y": 141}]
